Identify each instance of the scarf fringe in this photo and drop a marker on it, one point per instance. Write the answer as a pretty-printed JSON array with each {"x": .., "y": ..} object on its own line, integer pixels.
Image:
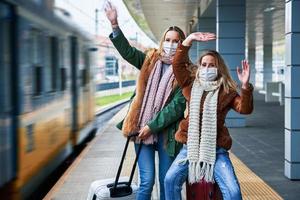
[{"x": 199, "y": 171}]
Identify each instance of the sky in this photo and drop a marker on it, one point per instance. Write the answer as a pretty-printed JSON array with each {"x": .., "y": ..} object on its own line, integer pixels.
[{"x": 83, "y": 14}]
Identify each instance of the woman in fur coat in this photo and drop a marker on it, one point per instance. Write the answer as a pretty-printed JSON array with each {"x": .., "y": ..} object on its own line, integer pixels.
[{"x": 210, "y": 93}]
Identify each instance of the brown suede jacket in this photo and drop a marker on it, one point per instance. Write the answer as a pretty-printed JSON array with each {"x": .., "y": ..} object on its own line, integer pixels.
[{"x": 240, "y": 103}]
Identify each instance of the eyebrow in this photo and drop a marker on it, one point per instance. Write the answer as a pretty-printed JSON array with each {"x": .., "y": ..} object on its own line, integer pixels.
[{"x": 208, "y": 64}]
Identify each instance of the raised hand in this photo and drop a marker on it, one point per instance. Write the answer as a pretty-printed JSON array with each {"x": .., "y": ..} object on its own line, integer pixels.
[
  {"x": 111, "y": 13},
  {"x": 244, "y": 73},
  {"x": 200, "y": 37}
]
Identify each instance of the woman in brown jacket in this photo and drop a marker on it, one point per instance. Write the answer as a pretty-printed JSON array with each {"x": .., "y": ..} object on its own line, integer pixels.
[{"x": 210, "y": 93}]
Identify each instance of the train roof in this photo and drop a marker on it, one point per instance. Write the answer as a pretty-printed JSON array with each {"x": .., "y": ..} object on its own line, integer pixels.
[{"x": 55, "y": 16}]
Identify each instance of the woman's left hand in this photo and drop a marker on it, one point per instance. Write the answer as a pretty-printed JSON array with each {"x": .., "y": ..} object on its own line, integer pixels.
[
  {"x": 244, "y": 73},
  {"x": 111, "y": 13},
  {"x": 145, "y": 132},
  {"x": 198, "y": 36}
]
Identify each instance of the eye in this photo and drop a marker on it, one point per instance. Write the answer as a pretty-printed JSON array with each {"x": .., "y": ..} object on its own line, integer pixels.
[{"x": 167, "y": 39}]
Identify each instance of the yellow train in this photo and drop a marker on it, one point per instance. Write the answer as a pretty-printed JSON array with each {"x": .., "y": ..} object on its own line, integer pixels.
[{"x": 46, "y": 93}]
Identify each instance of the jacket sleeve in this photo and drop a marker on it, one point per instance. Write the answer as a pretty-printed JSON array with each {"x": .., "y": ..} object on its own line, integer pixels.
[
  {"x": 243, "y": 103},
  {"x": 129, "y": 53},
  {"x": 180, "y": 64},
  {"x": 169, "y": 114}
]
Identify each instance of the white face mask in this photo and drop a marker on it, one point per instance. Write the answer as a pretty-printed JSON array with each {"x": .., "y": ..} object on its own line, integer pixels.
[
  {"x": 208, "y": 73},
  {"x": 170, "y": 48}
]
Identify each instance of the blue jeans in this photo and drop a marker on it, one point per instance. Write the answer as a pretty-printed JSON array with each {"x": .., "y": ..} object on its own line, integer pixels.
[
  {"x": 146, "y": 163},
  {"x": 224, "y": 176}
]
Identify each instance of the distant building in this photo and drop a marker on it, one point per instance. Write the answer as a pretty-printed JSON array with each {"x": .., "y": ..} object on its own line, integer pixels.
[{"x": 109, "y": 63}]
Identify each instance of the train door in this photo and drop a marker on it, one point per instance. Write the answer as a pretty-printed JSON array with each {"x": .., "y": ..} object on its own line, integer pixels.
[{"x": 7, "y": 137}]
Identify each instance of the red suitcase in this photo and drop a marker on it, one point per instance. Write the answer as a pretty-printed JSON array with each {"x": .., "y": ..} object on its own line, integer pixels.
[{"x": 203, "y": 191}]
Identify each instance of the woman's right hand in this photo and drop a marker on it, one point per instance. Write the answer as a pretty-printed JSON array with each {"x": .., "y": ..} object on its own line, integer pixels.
[
  {"x": 198, "y": 36},
  {"x": 111, "y": 14}
]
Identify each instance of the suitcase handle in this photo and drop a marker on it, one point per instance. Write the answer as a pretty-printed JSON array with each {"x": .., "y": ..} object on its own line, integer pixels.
[{"x": 122, "y": 160}]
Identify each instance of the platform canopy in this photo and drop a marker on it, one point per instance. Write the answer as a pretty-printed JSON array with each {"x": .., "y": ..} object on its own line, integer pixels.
[{"x": 264, "y": 18}]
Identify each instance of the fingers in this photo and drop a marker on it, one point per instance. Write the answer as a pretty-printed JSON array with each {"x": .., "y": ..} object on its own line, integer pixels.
[
  {"x": 144, "y": 133},
  {"x": 244, "y": 72},
  {"x": 245, "y": 65},
  {"x": 238, "y": 70},
  {"x": 205, "y": 36},
  {"x": 109, "y": 6},
  {"x": 206, "y": 33},
  {"x": 209, "y": 37},
  {"x": 141, "y": 134},
  {"x": 106, "y": 6}
]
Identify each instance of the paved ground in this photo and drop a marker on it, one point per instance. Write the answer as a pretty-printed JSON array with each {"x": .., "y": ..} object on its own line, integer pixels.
[
  {"x": 94, "y": 163},
  {"x": 261, "y": 146}
]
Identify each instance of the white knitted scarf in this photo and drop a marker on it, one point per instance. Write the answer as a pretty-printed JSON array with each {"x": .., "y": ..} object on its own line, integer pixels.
[{"x": 201, "y": 145}]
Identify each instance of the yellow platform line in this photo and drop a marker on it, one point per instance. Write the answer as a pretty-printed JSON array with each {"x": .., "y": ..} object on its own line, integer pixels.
[{"x": 252, "y": 186}]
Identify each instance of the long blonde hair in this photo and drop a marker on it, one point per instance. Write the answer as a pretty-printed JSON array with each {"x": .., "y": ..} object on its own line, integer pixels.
[
  {"x": 228, "y": 83},
  {"x": 171, "y": 28}
]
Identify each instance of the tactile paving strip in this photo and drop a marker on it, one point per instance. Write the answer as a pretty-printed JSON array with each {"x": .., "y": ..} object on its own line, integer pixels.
[{"x": 252, "y": 186}]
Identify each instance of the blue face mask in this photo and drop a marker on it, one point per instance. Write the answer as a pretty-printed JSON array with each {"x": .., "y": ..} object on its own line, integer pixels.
[
  {"x": 208, "y": 73},
  {"x": 170, "y": 48}
]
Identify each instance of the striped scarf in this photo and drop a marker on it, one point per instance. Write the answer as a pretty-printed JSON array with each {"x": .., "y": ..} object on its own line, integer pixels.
[
  {"x": 201, "y": 144},
  {"x": 158, "y": 90}
]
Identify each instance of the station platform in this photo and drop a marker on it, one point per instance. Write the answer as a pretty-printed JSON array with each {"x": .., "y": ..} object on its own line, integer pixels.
[{"x": 257, "y": 156}]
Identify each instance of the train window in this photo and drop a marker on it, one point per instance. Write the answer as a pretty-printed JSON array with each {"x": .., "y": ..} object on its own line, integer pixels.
[
  {"x": 83, "y": 77},
  {"x": 5, "y": 62},
  {"x": 47, "y": 61},
  {"x": 63, "y": 76},
  {"x": 81, "y": 65},
  {"x": 85, "y": 71},
  {"x": 36, "y": 52},
  {"x": 37, "y": 80},
  {"x": 51, "y": 63},
  {"x": 54, "y": 61}
]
